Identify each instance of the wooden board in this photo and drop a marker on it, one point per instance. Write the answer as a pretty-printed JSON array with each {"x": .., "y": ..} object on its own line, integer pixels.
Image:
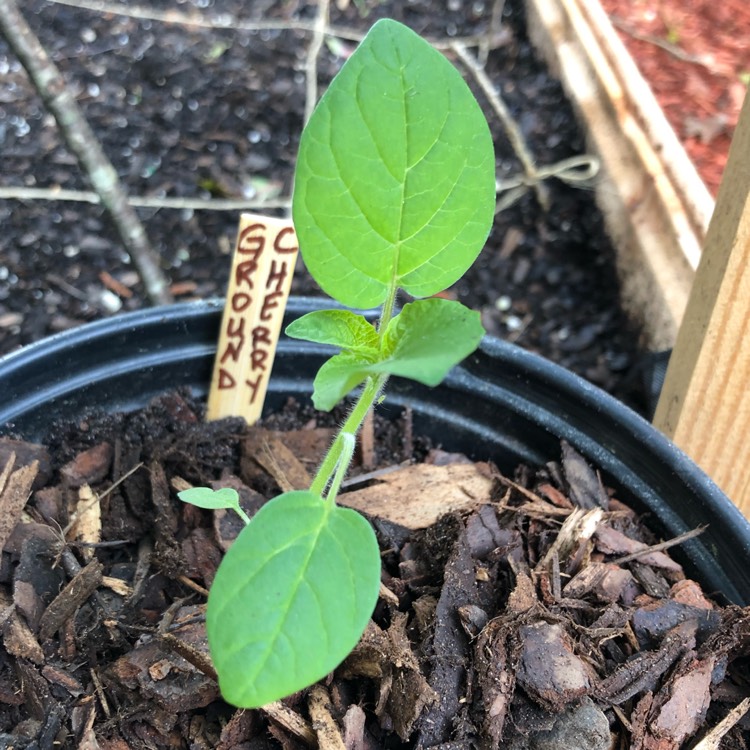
[
  {"x": 705, "y": 403},
  {"x": 654, "y": 203}
]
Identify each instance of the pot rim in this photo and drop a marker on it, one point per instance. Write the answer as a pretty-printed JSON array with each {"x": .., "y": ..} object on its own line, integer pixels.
[{"x": 537, "y": 391}]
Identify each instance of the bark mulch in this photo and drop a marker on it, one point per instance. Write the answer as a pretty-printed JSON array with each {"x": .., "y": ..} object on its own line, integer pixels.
[{"x": 539, "y": 613}]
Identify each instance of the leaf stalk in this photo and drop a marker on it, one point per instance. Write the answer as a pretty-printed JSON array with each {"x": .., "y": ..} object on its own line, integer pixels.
[
  {"x": 332, "y": 463},
  {"x": 348, "y": 441}
]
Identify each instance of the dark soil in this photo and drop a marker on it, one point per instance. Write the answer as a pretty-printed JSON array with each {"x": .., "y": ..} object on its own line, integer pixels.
[
  {"x": 184, "y": 111},
  {"x": 539, "y": 617}
]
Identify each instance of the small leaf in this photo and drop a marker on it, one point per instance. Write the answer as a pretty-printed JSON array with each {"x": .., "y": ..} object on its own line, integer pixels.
[
  {"x": 422, "y": 343},
  {"x": 395, "y": 179},
  {"x": 291, "y": 598},
  {"x": 341, "y": 328},
  {"x": 205, "y": 497},
  {"x": 338, "y": 376},
  {"x": 429, "y": 337}
]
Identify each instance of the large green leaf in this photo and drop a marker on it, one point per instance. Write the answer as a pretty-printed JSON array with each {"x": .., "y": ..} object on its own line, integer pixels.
[
  {"x": 291, "y": 598},
  {"x": 395, "y": 179}
]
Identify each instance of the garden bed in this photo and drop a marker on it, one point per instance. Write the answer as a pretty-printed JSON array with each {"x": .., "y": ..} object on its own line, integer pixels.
[
  {"x": 190, "y": 112},
  {"x": 696, "y": 59},
  {"x": 655, "y": 203},
  {"x": 527, "y": 612}
]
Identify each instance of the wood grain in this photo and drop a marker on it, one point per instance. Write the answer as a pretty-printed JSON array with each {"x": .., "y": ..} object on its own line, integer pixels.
[
  {"x": 258, "y": 290},
  {"x": 705, "y": 402}
]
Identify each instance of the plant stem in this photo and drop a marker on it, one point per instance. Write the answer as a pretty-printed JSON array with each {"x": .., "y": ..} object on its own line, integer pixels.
[
  {"x": 348, "y": 441},
  {"x": 387, "y": 311},
  {"x": 367, "y": 398},
  {"x": 241, "y": 513},
  {"x": 340, "y": 453}
]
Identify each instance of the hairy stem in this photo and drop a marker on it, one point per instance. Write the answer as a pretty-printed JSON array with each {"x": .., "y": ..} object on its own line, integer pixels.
[
  {"x": 336, "y": 460},
  {"x": 331, "y": 462},
  {"x": 348, "y": 441},
  {"x": 386, "y": 312}
]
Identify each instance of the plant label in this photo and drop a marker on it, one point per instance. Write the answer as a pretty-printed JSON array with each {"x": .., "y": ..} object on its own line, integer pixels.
[{"x": 258, "y": 290}]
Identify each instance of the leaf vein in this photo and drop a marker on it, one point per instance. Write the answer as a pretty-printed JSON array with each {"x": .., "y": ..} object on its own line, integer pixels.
[
  {"x": 369, "y": 130},
  {"x": 293, "y": 590},
  {"x": 353, "y": 198}
]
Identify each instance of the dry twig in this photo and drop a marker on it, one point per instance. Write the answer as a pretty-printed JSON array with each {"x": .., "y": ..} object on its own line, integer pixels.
[
  {"x": 311, "y": 64},
  {"x": 81, "y": 140},
  {"x": 141, "y": 201},
  {"x": 712, "y": 740},
  {"x": 509, "y": 124}
]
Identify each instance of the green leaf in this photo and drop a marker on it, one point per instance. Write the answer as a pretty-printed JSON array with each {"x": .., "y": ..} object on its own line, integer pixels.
[
  {"x": 429, "y": 337},
  {"x": 291, "y": 598},
  {"x": 395, "y": 180},
  {"x": 341, "y": 328},
  {"x": 205, "y": 497},
  {"x": 422, "y": 343},
  {"x": 345, "y": 371},
  {"x": 338, "y": 376}
]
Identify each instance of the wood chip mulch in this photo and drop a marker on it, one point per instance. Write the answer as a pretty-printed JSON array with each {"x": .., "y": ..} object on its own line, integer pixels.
[{"x": 539, "y": 613}]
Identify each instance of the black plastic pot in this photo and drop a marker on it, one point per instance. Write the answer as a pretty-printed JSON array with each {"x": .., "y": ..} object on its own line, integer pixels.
[{"x": 503, "y": 404}]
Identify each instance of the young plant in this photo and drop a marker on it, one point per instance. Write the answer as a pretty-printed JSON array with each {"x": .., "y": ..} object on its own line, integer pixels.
[{"x": 394, "y": 189}]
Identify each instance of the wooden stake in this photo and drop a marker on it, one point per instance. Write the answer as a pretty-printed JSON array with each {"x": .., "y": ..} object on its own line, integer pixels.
[
  {"x": 262, "y": 270},
  {"x": 705, "y": 404}
]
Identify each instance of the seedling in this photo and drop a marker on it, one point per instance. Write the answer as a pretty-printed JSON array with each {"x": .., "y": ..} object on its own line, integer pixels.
[{"x": 394, "y": 189}]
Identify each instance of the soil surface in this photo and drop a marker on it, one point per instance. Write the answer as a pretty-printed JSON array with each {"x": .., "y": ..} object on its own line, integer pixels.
[
  {"x": 186, "y": 111},
  {"x": 695, "y": 54},
  {"x": 539, "y": 614}
]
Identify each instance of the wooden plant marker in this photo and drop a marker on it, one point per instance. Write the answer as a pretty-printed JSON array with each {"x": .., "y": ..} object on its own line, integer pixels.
[
  {"x": 705, "y": 403},
  {"x": 259, "y": 284}
]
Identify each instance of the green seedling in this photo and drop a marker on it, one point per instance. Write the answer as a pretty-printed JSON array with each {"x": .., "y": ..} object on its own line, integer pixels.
[{"x": 394, "y": 190}]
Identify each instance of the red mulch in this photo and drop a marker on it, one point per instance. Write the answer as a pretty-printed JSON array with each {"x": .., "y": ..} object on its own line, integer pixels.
[{"x": 701, "y": 82}]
